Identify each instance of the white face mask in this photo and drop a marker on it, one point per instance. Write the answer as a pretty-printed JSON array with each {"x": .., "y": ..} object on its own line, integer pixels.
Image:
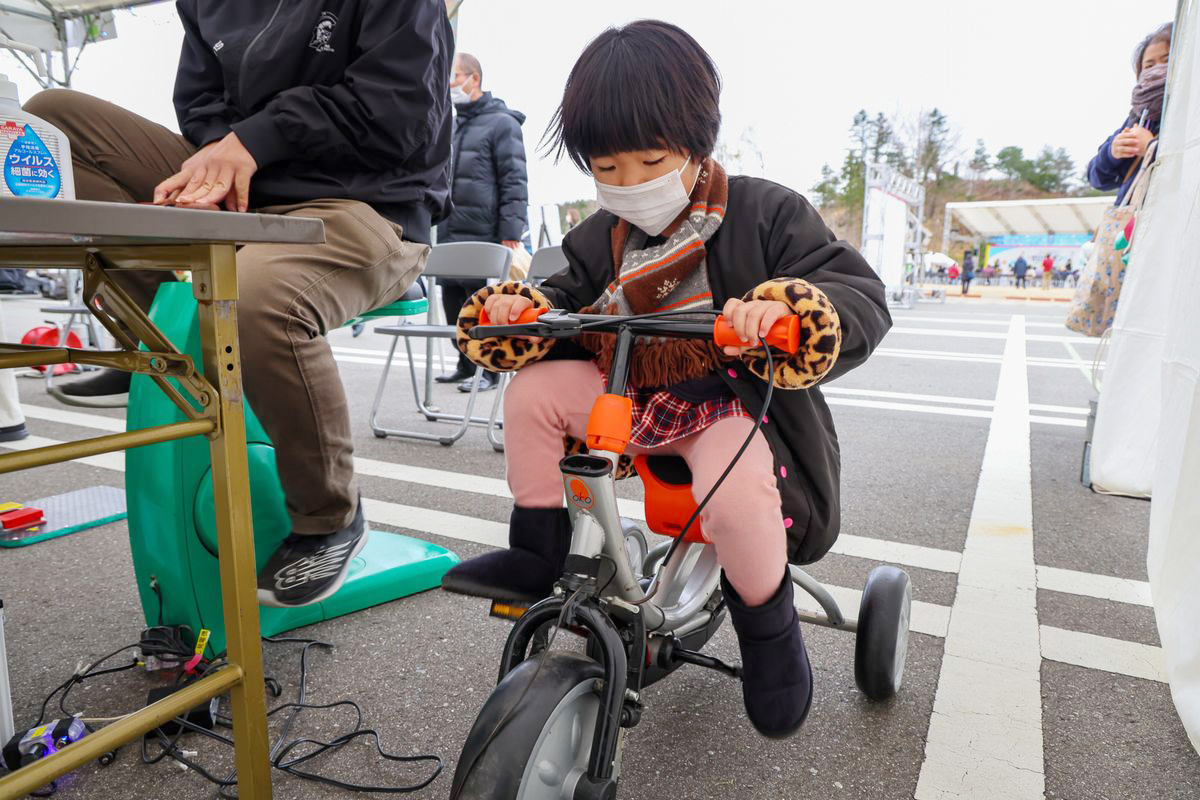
[
  {"x": 458, "y": 96},
  {"x": 652, "y": 205}
]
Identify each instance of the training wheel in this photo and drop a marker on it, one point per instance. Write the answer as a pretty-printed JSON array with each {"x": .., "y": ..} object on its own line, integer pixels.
[{"x": 881, "y": 646}]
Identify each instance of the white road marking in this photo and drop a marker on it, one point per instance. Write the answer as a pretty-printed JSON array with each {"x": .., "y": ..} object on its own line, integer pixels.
[
  {"x": 889, "y": 552},
  {"x": 1080, "y": 410},
  {"x": 947, "y": 411},
  {"x": 1079, "y": 362},
  {"x": 927, "y": 618},
  {"x": 81, "y": 419},
  {"x": 953, "y": 333},
  {"x": 1002, "y": 321},
  {"x": 871, "y": 548},
  {"x": 985, "y": 736},
  {"x": 938, "y": 398},
  {"x": 113, "y": 461},
  {"x": 1086, "y": 584},
  {"x": 929, "y": 398},
  {"x": 969, "y": 358},
  {"x": 1104, "y": 653},
  {"x": 930, "y": 619}
]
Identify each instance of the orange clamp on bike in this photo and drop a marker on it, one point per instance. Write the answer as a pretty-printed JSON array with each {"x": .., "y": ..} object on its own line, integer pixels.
[
  {"x": 784, "y": 334},
  {"x": 610, "y": 424}
]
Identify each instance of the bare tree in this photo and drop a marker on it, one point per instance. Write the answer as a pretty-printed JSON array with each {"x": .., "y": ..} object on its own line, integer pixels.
[{"x": 741, "y": 157}]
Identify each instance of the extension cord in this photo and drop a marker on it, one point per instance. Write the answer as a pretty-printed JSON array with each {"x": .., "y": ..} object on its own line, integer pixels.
[{"x": 202, "y": 716}]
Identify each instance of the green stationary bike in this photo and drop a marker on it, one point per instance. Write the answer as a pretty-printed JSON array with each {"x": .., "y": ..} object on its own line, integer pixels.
[{"x": 172, "y": 528}]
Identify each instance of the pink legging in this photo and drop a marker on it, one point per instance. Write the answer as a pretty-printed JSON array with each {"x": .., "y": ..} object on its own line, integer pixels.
[{"x": 743, "y": 519}]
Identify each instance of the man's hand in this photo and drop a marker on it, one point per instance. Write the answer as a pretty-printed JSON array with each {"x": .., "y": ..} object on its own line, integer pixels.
[
  {"x": 752, "y": 320},
  {"x": 1131, "y": 142},
  {"x": 511, "y": 244},
  {"x": 217, "y": 173}
]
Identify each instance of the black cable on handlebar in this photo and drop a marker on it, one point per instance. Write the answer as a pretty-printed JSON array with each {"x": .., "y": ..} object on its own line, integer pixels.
[
  {"x": 654, "y": 315},
  {"x": 696, "y": 514}
]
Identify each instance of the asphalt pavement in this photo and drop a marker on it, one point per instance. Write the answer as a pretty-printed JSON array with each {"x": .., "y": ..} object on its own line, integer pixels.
[{"x": 916, "y": 423}]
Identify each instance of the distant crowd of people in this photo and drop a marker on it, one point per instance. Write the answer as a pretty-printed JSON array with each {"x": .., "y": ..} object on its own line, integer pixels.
[{"x": 1019, "y": 273}]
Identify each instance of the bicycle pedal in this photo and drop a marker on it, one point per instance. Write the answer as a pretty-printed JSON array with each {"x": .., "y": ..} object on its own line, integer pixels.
[{"x": 509, "y": 611}]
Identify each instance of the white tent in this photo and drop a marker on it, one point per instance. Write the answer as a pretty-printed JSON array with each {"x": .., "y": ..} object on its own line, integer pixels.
[
  {"x": 1050, "y": 216},
  {"x": 55, "y": 26},
  {"x": 1148, "y": 427}
]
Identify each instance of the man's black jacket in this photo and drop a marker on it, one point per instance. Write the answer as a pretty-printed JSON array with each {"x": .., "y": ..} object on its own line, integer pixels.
[
  {"x": 490, "y": 183},
  {"x": 337, "y": 98}
]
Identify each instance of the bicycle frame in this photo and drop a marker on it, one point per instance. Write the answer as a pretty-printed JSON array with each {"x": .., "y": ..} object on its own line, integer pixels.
[{"x": 635, "y": 622}]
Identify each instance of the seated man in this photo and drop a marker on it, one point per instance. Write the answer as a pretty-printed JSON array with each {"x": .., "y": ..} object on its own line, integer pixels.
[{"x": 343, "y": 117}]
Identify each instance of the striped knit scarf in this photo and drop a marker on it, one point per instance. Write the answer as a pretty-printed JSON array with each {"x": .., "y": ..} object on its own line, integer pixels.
[{"x": 671, "y": 276}]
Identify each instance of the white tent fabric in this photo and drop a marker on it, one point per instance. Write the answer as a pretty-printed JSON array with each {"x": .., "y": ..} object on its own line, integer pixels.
[
  {"x": 1174, "y": 558},
  {"x": 1054, "y": 215},
  {"x": 1148, "y": 429},
  {"x": 33, "y": 21},
  {"x": 1126, "y": 434}
]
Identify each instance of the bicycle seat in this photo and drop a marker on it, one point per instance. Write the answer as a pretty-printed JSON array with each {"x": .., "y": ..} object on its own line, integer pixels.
[{"x": 669, "y": 501}]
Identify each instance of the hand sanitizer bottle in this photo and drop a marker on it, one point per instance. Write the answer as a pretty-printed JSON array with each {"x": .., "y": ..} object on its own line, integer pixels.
[{"x": 36, "y": 155}]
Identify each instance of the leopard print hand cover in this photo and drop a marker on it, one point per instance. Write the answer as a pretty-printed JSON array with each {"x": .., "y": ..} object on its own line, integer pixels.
[
  {"x": 499, "y": 353},
  {"x": 820, "y": 334}
]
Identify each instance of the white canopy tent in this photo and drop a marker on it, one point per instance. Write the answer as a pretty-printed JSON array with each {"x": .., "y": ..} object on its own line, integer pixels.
[
  {"x": 1147, "y": 434},
  {"x": 56, "y": 26},
  {"x": 1005, "y": 217}
]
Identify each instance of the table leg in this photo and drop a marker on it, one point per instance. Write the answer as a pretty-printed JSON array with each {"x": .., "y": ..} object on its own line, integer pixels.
[{"x": 216, "y": 289}]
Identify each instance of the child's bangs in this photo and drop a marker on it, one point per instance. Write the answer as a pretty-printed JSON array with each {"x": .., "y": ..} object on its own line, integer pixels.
[
  {"x": 620, "y": 111},
  {"x": 642, "y": 87}
]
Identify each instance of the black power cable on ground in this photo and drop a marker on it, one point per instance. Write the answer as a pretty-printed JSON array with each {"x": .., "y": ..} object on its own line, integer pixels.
[
  {"x": 282, "y": 755},
  {"x": 286, "y": 755}
]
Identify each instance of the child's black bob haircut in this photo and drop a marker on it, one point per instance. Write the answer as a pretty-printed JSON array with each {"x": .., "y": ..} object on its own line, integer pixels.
[{"x": 644, "y": 86}]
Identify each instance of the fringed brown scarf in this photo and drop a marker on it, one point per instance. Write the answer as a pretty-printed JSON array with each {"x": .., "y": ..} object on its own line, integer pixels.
[{"x": 670, "y": 276}]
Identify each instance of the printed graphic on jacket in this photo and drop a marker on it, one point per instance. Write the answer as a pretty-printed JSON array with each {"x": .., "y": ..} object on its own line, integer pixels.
[{"x": 323, "y": 32}]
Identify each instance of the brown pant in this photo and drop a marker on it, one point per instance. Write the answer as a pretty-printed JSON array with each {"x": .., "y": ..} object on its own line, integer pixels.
[{"x": 289, "y": 297}]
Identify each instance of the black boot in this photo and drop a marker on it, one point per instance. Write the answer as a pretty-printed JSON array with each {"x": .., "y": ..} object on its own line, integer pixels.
[
  {"x": 776, "y": 676},
  {"x": 538, "y": 540}
]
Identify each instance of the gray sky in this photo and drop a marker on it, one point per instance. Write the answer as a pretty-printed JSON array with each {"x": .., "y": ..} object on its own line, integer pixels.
[{"x": 1021, "y": 72}]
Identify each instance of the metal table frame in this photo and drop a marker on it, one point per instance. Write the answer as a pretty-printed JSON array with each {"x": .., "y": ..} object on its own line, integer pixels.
[{"x": 100, "y": 238}]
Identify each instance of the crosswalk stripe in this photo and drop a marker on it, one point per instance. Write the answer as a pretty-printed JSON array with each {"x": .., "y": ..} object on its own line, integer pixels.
[
  {"x": 1104, "y": 653},
  {"x": 970, "y": 358},
  {"x": 985, "y": 735},
  {"x": 1103, "y": 587}
]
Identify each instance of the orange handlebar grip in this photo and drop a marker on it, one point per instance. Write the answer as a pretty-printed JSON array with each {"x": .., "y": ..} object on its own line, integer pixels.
[
  {"x": 527, "y": 316},
  {"x": 610, "y": 424},
  {"x": 784, "y": 334}
]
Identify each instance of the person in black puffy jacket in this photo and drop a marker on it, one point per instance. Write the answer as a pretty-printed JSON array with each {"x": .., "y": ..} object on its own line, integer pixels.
[{"x": 489, "y": 186}]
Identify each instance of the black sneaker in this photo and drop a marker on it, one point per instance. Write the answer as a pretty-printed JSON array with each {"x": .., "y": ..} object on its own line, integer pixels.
[
  {"x": 108, "y": 388},
  {"x": 487, "y": 382},
  {"x": 307, "y": 569},
  {"x": 13, "y": 433}
]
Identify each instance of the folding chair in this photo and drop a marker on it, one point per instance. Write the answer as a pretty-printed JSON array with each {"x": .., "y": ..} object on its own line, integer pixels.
[
  {"x": 460, "y": 260},
  {"x": 547, "y": 261}
]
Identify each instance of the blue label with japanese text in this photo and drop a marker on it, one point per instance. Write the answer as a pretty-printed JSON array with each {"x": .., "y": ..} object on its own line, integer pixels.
[{"x": 29, "y": 168}]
